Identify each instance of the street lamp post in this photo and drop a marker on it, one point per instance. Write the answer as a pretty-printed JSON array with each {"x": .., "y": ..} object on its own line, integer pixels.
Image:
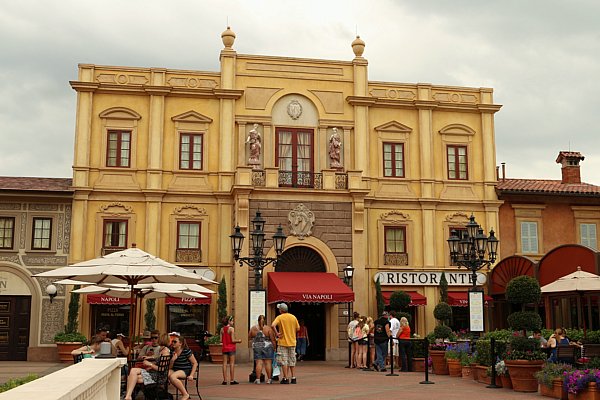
[
  {"x": 257, "y": 262},
  {"x": 348, "y": 274},
  {"x": 469, "y": 251}
]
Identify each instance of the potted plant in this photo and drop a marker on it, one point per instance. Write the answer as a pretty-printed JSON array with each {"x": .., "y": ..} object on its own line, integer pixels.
[
  {"x": 70, "y": 339},
  {"x": 502, "y": 373},
  {"x": 582, "y": 384},
  {"x": 524, "y": 357},
  {"x": 550, "y": 380},
  {"x": 466, "y": 360},
  {"x": 442, "y": 312},
  {"x": 453, "y": 356},
  {"x": 215, "y": 347},
  {"x": 418, "y": 350}
]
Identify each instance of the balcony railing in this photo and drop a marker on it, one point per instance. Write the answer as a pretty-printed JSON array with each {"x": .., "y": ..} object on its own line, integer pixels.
[
  {"x": 188, "y": 255},
  {"x": 108, "y": 250},
  {"x": 300, "y": 179},
  {"x": 395, "y": 258}
]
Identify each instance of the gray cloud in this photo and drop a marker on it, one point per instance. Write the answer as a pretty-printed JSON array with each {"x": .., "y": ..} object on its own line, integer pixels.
[{"x": 541, "y": 57}]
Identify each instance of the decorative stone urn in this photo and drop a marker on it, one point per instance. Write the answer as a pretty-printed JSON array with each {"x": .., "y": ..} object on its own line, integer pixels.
[
  {"x": 358, "y": 46},
  {"x": 454, "y": 367},
  {"x": 438, "y": 358},
  {"x": 521, "y": 374},
  {"x": 228, "y": 37}
]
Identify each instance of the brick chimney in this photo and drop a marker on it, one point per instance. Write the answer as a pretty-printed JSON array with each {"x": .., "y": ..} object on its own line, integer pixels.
[{"x": 570, "y": 166}]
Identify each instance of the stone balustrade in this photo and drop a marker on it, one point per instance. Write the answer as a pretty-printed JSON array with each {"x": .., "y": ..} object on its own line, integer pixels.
[{"x": 91, "y": 379}]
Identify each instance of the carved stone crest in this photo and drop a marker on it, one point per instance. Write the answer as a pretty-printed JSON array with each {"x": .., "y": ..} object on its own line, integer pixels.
[
  {"x": 294, "y": 109},
  {"x": 301, "y": 221}
]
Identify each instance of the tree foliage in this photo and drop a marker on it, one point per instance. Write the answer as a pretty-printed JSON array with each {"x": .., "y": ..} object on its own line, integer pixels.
[
  {"x": 399, "y": 300},
  {"x": 524, "y": 321},
  {"x": 73, "y": 315},
  {"x": 149, "y": 317},
  {"x": 522, "y": 290},
  {"x": 221, "y": 304},
  {"x": 442, "y": 312},
  {"x": 443, "y": 288},
  {"x": 379, "y": 295}
]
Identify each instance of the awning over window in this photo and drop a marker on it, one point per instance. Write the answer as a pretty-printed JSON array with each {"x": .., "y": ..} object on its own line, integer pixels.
[
  {"x": 104, "y": 299},
  {"x": 417, "y": 299},
  {"x": 461, "y": 299},
  {"x": 307, "y": 287},
  {"x": 189, "y": 300}
]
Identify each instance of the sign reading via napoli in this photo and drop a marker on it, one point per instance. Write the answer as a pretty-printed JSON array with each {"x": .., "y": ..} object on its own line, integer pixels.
[{"x": 426, "y": 278}]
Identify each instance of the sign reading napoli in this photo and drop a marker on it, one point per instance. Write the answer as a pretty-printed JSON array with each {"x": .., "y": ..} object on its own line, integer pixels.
[{"x": 429, "y": 278}]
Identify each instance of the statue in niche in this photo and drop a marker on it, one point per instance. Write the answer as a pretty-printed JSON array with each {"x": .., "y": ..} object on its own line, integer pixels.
[
  {"x": 335, "y": 148},
  {"x": 255, "y": 146}
]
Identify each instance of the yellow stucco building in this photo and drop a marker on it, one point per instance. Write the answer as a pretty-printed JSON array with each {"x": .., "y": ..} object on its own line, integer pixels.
[{"x": 372, "y": 174}]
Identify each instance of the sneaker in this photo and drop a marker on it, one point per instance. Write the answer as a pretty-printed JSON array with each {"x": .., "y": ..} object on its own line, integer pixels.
[
  {"x": 376, "y": 367},
  {"x": 257, "y": 382},
  {"x": 270, "y": 381},
  {"x": 293, "y": 381},
  {"x": 381, "y": 370},
  {"x": 234, "y": 383},
  {"x": 284, "y": 381}
]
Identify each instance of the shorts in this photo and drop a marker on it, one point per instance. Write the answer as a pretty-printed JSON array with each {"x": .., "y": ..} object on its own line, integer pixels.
[
  {"x": 286, "y": 356},
  {"x": 363, "y": 342},
  {"x": 187, "y": 371},
  {"x": 229, "y": 353},
  {"x": 395, "y": 348},
  {"x": 263, "y": 353}
]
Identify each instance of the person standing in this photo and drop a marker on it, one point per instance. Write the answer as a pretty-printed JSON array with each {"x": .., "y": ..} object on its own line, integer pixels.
[
  {"x": 395, "y": 328},
  {"x": 352, "y": 339},
  {"x": 405, "y": 345},
  {"x": 302, "y": 341},
  {"x": 381, "y": 337},
  {"x": 286, "y": 325},
  {"x": 228, "y": 341},
  {"x": 263, "y": 345}
]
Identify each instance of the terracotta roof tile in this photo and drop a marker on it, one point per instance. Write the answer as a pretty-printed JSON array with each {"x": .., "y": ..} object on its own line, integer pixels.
[
  {"x": 36, "y": 184},
  {"x": 546, "y": 186}
]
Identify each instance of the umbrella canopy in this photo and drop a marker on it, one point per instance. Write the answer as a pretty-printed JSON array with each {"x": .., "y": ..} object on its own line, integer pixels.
[
  {"x": 145, "y": 293},
  {"x": 578, "y": 281},
  {"x": 131, "y": 266}
]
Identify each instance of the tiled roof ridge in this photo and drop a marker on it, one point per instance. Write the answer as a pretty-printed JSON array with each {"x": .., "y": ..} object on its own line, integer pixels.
[
  {"x": 546, "y": 186},
  {"x": 35, "y": 183}
]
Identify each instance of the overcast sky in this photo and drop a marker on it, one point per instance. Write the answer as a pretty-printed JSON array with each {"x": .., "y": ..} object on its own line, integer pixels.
[{"x": 542, "y": 58}]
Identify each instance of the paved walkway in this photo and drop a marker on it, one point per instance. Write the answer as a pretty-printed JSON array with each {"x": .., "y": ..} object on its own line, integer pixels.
[{"x": 316, "y": 380}]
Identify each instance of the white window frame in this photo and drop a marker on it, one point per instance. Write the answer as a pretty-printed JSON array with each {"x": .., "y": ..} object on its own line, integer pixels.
[
  {"x": 529, "y": 248},
  {"x": 588, "y": 238}
]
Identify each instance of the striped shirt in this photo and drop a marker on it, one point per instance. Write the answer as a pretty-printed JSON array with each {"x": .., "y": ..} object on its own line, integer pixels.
[{"x": 183, "y": 362}]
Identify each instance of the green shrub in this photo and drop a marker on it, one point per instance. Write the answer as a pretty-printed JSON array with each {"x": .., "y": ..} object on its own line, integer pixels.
[
  {"x": 399, "y": 300},
  {"x": 499, "y": 334},
  {"x": 442, "y": 312},
  {"x": 70, "y": 337},
  {"x": 523, "y": 289},
  {"x": 405, "y": 315},
  {"x": 467, "y": 359},
  {"x": 483, "y": 357},
  {"x": 442, "y": 332},
  {"x": 379, "y": 297},
  {"x": 524, "y": 320},
  {"x": 523, "y": 348},
  {"x": 418, "y": 348},
  {"x": 551, "y": 371},
  {"x": 14, "y": 382},
  {"x": 594, "y": 363}
]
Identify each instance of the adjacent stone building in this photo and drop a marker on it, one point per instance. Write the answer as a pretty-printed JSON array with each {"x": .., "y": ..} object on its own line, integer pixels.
[
  {"x": 35, "y": 235},
  {"x": 372, "y": 174}
]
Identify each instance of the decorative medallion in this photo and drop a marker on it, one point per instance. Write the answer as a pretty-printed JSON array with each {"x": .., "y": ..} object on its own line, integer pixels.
[
  {"x": 294, "y": 109},
  {"x": 301, "y": 221},
  {"x": 395, "y": 215},
  {"x": 458, "y": 217}
]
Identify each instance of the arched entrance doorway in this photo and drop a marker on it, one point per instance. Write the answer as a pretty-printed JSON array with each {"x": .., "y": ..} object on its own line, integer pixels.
[{"x": 304, "y": 259}]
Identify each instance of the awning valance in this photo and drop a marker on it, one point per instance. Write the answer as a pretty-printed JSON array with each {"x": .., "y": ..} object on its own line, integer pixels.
[
  {"x": 461, "y": 299},
  {"x": 307, "y": 287},
  {"x": 104, "y": 299},
  {"x": 416, "y": 299},
  {"x": 189, "y": 300}
]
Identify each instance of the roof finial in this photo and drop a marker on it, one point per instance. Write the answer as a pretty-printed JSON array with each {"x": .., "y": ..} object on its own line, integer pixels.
[{"x": 228, "y": 37}]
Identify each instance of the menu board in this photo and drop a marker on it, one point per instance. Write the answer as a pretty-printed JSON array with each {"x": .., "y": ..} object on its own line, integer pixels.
[
  {"x": 476, "y": 311},
  {"x": 257, "y": 306}
]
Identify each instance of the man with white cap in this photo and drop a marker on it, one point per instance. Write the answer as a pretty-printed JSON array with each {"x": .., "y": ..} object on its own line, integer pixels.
[{"x": 286, "y": 325}]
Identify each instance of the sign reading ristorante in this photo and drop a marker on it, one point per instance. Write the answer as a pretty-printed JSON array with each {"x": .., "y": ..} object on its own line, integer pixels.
[{"x": 426, "y": 278}]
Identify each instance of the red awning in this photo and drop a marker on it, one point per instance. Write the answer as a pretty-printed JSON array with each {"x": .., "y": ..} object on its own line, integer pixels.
[
  {"x": 189, "y": 300},
  {"x": 461, "y": 299},
  {"x": 307, "y": 287},
  {"x": 104, "y": 299},
  {"x": 416, "y": 299}
]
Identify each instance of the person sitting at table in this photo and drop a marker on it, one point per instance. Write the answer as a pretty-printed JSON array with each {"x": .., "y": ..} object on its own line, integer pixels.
[
  {"x": 183, "y": 366},
  {"x": 149, "y": 350},
  {"x": 149, "y": 373},
  {"x": 537, "y": 334},
  {"x": 557, "y": 338},
  {"x": 117, "y": 342},
  {"x": 89, "y": 350}
]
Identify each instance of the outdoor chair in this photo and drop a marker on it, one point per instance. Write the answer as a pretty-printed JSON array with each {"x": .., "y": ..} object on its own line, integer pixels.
[
  {"x": 77, "y": 358},
  {"x": 590, "y": 350},
  {"x": 566, "y": 353},
  {"x": 160, "y": 389},
  {"x": 185, "y": 382}
]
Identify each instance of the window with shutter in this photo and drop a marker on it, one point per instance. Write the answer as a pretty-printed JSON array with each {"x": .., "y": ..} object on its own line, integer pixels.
[
  {"x": 529, "y": 237},
  {"x": 588, "y": 235}
]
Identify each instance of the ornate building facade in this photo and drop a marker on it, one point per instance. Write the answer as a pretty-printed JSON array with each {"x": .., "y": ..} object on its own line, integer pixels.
[
  {"x": 35, "y": 235},
  {"x": 372, "y": 174}
]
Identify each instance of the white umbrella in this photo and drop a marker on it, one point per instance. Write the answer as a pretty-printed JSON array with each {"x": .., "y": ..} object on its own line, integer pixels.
[
  {"x": 145, "y": 293},
  {"x": 131, "y": 266},
  {"x": 578, "y": 281}
]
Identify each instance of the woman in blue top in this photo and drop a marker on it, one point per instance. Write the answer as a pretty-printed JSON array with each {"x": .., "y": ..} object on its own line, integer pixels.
[
  {"x": 183, "y": 365},
  {"x": 557, "y": 338}
]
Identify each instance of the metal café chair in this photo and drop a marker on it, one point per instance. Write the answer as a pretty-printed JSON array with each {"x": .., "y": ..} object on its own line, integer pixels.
[{"x": 185, "y": 382}]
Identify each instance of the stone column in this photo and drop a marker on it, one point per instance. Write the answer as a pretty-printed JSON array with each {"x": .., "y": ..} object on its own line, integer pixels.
[{"x": 425, "y": 107}]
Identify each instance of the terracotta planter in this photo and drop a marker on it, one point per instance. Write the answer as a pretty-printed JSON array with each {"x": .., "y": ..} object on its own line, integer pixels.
[
  {"x": 555, "y": 391},
  {"x": 589, "y": 393},
  {"x": 65, "y": 349},
  {"x": 216, "y": 353},
  {"x": 506, "y": 382},
  {"x": 466, "y": 372},
  {"x": 418, "y": 364},
  {"x": 454, "y": 367},
  {"x": 440, "y": 367},
  {"x": 482, "y": 376},
  {"x": 521, "y": 373},
  {"x": 474, "y": 372}
]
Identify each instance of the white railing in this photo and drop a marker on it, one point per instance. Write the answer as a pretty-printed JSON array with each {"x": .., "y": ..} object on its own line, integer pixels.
[{"x": 91, "y": 379}]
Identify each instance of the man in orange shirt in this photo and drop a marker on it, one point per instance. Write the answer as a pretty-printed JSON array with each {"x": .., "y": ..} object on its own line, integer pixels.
[{"x": 285, "y": 326}]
